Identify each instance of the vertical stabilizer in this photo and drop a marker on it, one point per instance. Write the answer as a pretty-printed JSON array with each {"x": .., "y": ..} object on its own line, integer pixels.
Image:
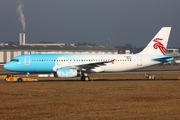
[{"x": 158, "y": 44}]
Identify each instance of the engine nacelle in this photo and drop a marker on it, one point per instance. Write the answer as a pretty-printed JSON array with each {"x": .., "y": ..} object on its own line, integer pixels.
[{"x": 66, "y": 73}]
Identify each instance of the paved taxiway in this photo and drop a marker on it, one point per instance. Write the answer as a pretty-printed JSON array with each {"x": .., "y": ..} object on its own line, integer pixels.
[{"x": 165, "y": 72}]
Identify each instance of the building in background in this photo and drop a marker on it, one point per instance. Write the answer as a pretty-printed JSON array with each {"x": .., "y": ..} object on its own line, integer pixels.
[{"x": 7, "y": 52}]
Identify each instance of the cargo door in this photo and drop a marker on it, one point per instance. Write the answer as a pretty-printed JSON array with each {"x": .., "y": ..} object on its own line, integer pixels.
[{"x": 27, "y": 60}]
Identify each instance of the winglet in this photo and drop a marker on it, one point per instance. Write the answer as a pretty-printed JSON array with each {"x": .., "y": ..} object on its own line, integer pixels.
[{"x": 157, "y": 46}]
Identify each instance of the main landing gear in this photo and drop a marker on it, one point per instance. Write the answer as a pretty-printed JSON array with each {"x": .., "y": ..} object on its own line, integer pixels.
[{"x": 85, "y": 77}]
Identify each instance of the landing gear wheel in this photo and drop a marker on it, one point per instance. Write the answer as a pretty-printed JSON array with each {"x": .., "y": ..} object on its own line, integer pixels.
[
  {"x": 85, "y": 78},
  {"x": 82, "y": 78},
  {"x": 19, "y": 79}
]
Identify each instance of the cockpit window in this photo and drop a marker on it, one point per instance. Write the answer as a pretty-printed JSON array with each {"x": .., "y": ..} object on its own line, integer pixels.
[{"x": 15, "y": 60}]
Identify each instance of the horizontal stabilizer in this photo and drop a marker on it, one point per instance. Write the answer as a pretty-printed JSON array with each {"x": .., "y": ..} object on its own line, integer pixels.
[{"x": 164, "y": 59}]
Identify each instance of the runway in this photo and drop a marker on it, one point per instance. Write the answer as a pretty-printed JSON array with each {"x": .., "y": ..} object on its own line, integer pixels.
[{"x": 166, "y": 72}]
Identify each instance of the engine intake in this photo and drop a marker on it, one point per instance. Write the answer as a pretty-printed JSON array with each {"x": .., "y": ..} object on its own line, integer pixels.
[{"x": 66, "y": 73}]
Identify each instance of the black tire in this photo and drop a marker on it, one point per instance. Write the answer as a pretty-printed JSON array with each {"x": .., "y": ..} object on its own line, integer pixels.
[
  {"x": 19, "y": 79},
  {"x": 82, "y": 78},
  {"x": 86, "y": 78}
]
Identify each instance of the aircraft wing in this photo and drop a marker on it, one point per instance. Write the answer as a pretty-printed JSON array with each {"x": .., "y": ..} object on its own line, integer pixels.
[
  {"x": 93, "y": 65},
  {"x": 87, "y": 66}
]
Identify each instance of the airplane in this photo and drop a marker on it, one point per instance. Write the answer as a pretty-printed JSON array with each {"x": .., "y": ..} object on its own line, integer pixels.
[{"x": 80, "y": 65}]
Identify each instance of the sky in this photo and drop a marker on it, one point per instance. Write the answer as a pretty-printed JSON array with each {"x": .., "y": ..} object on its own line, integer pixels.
[{"x": 92, "y": 21}]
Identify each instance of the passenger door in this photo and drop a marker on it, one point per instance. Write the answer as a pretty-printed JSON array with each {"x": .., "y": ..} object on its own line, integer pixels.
[
  {"x": 27, "y": 60},
  {"x": 139, "y": 60}
]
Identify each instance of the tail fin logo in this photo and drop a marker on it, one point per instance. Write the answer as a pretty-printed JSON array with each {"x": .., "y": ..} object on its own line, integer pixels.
[{"x": 159, "y": 45}]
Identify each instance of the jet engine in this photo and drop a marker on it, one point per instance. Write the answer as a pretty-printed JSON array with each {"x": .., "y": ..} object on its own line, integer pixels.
[{"x": 66, "y": 73}]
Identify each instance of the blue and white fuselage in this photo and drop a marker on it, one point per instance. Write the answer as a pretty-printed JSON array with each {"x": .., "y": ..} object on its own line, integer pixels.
[
  {"x": 42, "y": 63},
  {"x": 73, "y": 65}
]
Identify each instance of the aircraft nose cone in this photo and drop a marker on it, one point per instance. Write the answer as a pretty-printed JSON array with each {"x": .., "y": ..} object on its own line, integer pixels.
[
  {"x": 11, "y": 67},
  {"x": 6, "y": 66}
]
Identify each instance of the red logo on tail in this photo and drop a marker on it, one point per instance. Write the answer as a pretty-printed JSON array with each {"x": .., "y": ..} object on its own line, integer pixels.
[{"x": 159, "y": 45}]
